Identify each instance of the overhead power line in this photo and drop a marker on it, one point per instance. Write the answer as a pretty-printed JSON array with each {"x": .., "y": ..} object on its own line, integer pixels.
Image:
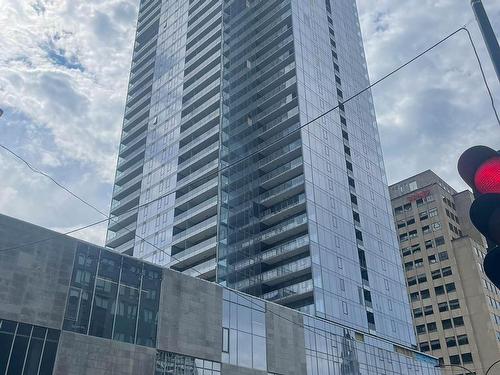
[{"x": 218, "y": 170}]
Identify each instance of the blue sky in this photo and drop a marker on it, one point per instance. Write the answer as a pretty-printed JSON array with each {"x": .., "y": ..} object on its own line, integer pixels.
[{"x": 64, "y": 70}]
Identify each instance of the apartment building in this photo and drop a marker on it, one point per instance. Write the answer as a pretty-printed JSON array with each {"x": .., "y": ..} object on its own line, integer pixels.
[{"x": 455, "y": 308}]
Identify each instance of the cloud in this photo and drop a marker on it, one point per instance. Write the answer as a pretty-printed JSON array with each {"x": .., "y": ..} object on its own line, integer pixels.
[
  {"x": 433, "y": 110},
  {"x": 63, "y": 76}
]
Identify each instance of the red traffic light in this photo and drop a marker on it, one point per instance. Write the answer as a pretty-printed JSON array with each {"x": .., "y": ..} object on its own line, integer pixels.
[{"x": 487, "y": 177}]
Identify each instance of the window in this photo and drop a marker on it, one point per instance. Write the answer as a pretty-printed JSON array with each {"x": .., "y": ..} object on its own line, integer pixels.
[
  {"x": 435, "y": 345},
  {"x": 439, "y": 241},
  {"x": 439, "y": 290},
  {"x": 443, "y": 306},
  {"x": 413, "y": 234},
  {"x": 420, "y": 202},
  {"x": 467, "y": 358},
  {"x": 412, "y": 281},
  {"x": 424, "y": 346},
  {"x": 433, "y": 212},
  {"x": 414, "y": 296},
  {"x": 446, "y": 271},
  {"x": 428, "y": 244},
  {"x": 417, "y": 313},
  {"x": 398, "y": 210},
  {"x": 451, "y": 342},
  {"x": 406, "y": 251},
  {"x": 450, "y": 287},
  {"x": 422, "y": 278},
  {"x": 428, "y": 310},
  {"x": 436, "y": 274},
  {"x": 454, "y": 304},
  {"x": 446, "y": 324},
  {"x": 425, "y": 294},
  {"x": 423, "y": 215},
  {"x": 408, "y": 266},
  {"x": 431, "y": 327},
  {"x": 454, "y": 359},
  {"x": 420, "y": 329},
  {"x": 436, "y": 226},
  {"x": 419, "y": 263},
  {"x": 458, "y": 321},
  {"x": 410, "y": 222},
  {"x": 426, "y": 229},
  {"x": 225, "y": 340},
  {"x": 443, "y": 255},
  {"x": 432, "y": 259},
  {"x": 407, "y": 207},
  {"x": 415, "y": 248},
  {"x": 462, "y": 339},
  {"x": 403, "y": 237},
  {"x": 401, "y": 224}
]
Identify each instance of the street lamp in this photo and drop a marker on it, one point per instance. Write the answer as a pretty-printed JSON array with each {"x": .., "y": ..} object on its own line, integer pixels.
[
  {"x": 489, "y": 368},
  {"x": 469, "y": 372}
]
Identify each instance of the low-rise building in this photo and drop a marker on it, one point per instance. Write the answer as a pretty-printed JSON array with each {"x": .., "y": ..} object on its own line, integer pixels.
[{"x": 68, "y": 307}]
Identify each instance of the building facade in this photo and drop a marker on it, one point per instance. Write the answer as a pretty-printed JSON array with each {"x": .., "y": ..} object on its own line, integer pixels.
[
  {"x": 456, "y": 309},
  {"x": 72, "y": 308},
  {"x": 225, "y": 171}
]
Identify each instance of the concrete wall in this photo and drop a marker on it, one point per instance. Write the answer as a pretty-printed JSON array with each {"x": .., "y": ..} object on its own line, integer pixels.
[
  {"x": 285, "y": 341},
  {"x": 87, "y": 355},
  {"x": 190, "y": 320},
  {"x": 34, "y": 280}
]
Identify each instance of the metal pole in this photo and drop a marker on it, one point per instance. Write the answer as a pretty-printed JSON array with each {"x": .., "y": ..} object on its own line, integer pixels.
[
  {"x": 494, "y": 363},
  {"x": 489, "y": 36}
]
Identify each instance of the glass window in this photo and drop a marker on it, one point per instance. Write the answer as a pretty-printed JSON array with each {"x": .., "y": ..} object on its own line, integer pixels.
[
  {"x": 412, "y": 281},
  {"x": 439, "y": 241},
  {"x": 439, "y": 290},
  {"x": 424, "y": 346},
  {"x": 454, "y": 359},
  {"x": 428, "y": 310},
  {"x": 428, "y": 244},
  {"x": 436, "y": 274},
  {"x": 467, "y": 358},
  {"x": 126, "y": 314},
  {"x": 103, "y": 310},
  {"x": 450, "y": 287},
  {"x": 417, "y": 312},
  {"x": 420, "y": 329},
  {"x": 458, "y": 321},
  {"x": 451, "y": 342},
  {"x": 425, "y": 293},
  {"x": 446, "y": 323},
  {"x": 435, "y": 345},
  {"x": 443, "y": 255},
  {"x": 131, "y": 272},
  {"x": 443, "y": 306},
  {"x": 454, "y": 304},
  {"x": 446, "y": 271},
  {"x": 462, "y": 339},
  {"x": 431, "y": 327},
  {"x": 432, "y": 259},
  {"x": 109, "y": 266},
  {"x": 422, "y": 278}
]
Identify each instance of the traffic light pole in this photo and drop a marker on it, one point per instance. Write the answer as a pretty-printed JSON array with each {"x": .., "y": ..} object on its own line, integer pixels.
[{"x": 489, "y": 36}]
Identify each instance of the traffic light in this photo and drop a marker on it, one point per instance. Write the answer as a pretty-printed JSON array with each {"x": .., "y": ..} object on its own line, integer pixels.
[{"x": 479, "y": 166}]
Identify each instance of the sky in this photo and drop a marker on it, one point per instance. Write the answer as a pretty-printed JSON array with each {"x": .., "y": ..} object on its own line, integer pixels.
[{"x": 64, "y": 67}]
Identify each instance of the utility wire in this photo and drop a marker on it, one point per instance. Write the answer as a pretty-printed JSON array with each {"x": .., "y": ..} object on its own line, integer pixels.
[
  {"x": 218, "y": 170},
  {"x": 244, "y": 296}
]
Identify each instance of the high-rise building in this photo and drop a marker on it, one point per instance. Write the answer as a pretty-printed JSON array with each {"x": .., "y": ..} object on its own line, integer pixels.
[
  {"x": 456, "y": 309},
  {"x": 235, "y": 177}
]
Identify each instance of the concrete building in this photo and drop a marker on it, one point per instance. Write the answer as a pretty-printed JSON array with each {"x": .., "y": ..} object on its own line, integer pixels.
[
  {"x": 219, "y": 177},
  {"x": 72, "y": 308},
  {"x": 456, "y": 309}
]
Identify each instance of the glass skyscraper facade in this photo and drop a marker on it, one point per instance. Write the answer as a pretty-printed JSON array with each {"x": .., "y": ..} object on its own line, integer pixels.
[{"x": 227, "y": 172}]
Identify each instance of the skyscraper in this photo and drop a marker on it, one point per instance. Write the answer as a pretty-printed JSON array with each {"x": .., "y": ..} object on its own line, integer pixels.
[
  {"x": 248, "y": 187},
  {"x": 456, "y": 309}
]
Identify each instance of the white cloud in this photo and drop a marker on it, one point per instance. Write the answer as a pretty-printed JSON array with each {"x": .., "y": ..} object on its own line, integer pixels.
[{"x": 64, "y": 69}]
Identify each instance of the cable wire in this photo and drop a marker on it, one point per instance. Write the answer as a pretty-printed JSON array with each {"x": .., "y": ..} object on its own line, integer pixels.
[{"x": 219, "y": 170}]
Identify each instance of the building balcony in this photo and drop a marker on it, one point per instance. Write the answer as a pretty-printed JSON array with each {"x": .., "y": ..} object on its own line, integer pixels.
[
  {"x": 124, "y": 235},
  {"x": 198, "y": 195},
  {"x": 209, "y": 121},
  {"x": 127, "y": 203},
  {"x": 284, "y": 209},
  {"x": 123, "y": 220},
  {"x": 134, "y": 157},
  {"x": 285, "y": 229},
  {"x": 199, "y": 160},
  {"x": 206, "y": 270},
  {"x": 198, "y": 178},
  {"x": 283, "y": 191},
  {"x": 125, "y": 248},
  {"x": 194, "y": 254},
  {"x": 199, "y": 143},
  {"x": 197, "y": 213},
  {"x": 290, "y": 293},
  {"x": 196, "y": 233},
  {"x": 131, "y": 186},
  {"x": 282, "y": 173},
  {"x": 129, "y": 173}
]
